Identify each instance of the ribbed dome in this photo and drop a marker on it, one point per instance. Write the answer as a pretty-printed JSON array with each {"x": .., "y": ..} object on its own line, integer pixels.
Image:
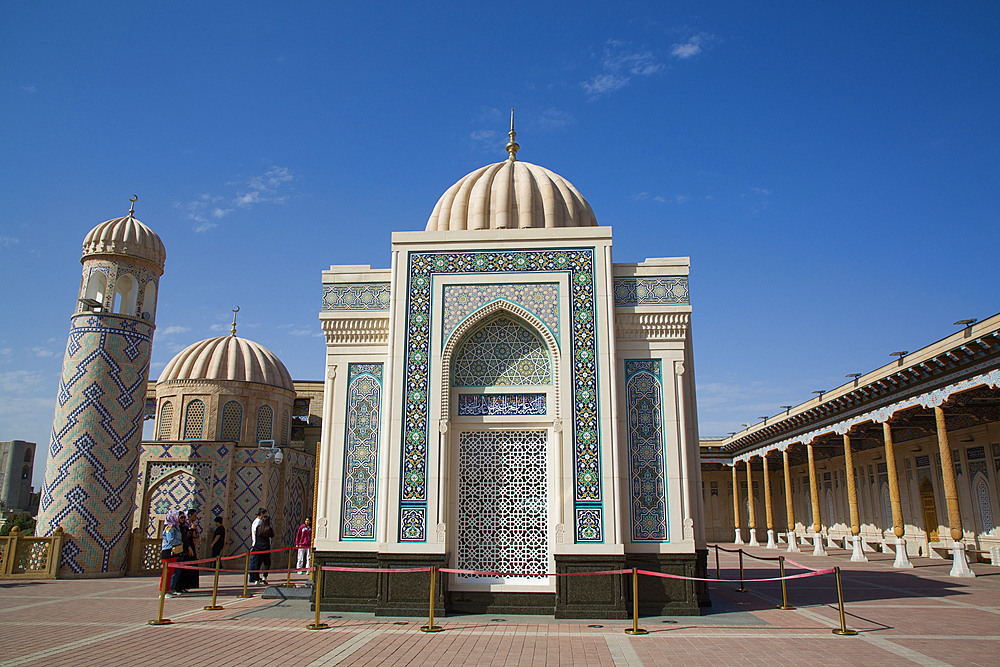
[
  {"x": 228, "y": 358},
  {"x": 125, "y": 236},
  {"x": 511, "y": 194}
]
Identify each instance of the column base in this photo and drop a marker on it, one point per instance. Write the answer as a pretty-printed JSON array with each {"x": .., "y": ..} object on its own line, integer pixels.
[
  {"x": 771, "y": 543},
  {"x": 858, "y": 555},
  {"x": 995, "y": 556},
  {"x": 960, "y": 565},
  {"x": 738, "y": 540},
  {"x": 792, "y": 547},
  {"x": 885, "y": 547},
  {"x": 818, "y": 549},
  {"x": 753, "y": 538},
  {"x": 902, "y": 561},
  {"x": 830, "y": 544}
]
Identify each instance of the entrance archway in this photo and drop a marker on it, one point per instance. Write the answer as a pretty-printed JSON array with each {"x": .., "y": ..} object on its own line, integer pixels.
[{"x": 930, "y": 510}]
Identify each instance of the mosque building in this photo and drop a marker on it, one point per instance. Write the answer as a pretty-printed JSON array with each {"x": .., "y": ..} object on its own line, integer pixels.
[{"x": 504, "y": 400}]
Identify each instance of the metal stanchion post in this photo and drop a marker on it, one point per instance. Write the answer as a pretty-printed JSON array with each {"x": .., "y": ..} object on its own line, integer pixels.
[
  {"x": 430, "y": 627},
  {"x": 784, "y": 593},
  {"x": 843, "y": 630},
  {"x": 718, "y": 572},
  {"x": 163, "y": 594},
  {"x": 635, "y": 629},
  {"x": 317, "y": 594},
  {"x": 742, "y": 588},
  {"x": 215, "y": 586},
  {"x": 246, "y": 577}
]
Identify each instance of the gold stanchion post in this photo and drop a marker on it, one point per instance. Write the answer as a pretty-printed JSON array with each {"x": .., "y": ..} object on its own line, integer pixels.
[
  {"x": 246, "y": 577},
  {"x": 288, "y": 566},
  {"x": 718, "y": 571},
  {"x": 784, "y": 593},
  {"x": 742, "y": 588},
  {"x": 843, "y": 629},
  {"x": 317, "y": 594},
  {"x": 430, "y": 627},
  {"x": 215, "y": 586},
  {"x": 635, "y": 629},
  {"x": 159, "y": 620}
]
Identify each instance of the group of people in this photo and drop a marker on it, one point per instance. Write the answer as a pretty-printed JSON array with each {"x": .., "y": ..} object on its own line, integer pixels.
[{"x": 181, "y": 534}]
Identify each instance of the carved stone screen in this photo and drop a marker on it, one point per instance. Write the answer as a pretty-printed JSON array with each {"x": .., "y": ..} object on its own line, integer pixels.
[{"x": 503, "y": 505}]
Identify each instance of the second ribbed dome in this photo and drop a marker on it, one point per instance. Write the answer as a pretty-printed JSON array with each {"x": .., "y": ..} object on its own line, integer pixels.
[{"x": 228, "y": 358}]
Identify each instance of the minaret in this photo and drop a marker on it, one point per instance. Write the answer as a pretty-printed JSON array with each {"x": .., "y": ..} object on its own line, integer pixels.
[{"x": 90, "y": 476}]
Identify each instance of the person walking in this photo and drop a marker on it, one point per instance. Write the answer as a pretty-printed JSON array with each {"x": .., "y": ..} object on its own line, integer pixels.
[
  {"x": 218, "y": 538},
  {"x": 303, "y": 540},
  {"x": 172, "y": 546},
  {"x": 189, "y": 531},
  {"x": 260, "y": 540}
]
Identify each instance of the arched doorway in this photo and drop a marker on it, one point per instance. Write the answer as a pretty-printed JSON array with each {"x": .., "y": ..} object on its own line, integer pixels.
[
  {"x": 930, "y": 510},
  {"x": 178, "y": 491}
]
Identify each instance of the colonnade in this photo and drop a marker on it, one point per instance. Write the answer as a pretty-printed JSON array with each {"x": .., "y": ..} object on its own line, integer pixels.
[{"x": 960, "y": 567}]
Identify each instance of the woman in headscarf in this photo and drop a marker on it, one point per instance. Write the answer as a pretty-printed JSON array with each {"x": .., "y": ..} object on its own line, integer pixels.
[
  {"x": 189, "y": 531},
  {"x": 172, "y": 547}
]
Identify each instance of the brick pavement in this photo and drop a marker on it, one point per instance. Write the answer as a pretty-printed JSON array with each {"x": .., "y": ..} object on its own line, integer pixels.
[{"x": 915, "y": 617}]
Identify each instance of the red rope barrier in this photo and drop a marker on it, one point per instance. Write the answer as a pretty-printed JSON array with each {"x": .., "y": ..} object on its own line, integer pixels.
[
  {"x": 813, "y": 573},
  {"x": 327, "y": 568},
  {"x": 478, "y": 573}
]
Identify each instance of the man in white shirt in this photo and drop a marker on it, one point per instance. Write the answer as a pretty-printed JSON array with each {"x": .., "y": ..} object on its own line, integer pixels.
[{"x": 255, "y": 559}]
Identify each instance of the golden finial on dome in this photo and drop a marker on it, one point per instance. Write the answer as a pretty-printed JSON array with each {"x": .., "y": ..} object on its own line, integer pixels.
[
  {"x": 235, "y": 310},
  {"x": 512, "y": 145},
  {"x": 131, "y": 209}
]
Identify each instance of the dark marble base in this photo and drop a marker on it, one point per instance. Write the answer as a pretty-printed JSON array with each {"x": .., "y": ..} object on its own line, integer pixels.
[
  {"x": 597, "y": 596},
  {"x": 383, "y": 593},
  {"x": 669, "y": 597},
  {"x": 473, "y": 602}
]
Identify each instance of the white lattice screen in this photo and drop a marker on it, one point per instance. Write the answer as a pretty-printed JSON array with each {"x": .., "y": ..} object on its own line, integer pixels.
[
  {"x": 166, "y": 416},
  {"x": 503, "y": 502},
  {"x": 194, "y": 420},
  {"x": 232, "y": 419},
  {"x": 264, "y": 418}
]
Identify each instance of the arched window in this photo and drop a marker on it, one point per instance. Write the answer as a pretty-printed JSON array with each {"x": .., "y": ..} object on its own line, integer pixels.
[
  {"x": 97, "y": 288},
  {"x": 194, "y": 420},
  {"x": 265, "y": 416},
  {"x": 502, "y": 352},
  {"x": 149, "y": 301},
  {"x": 232, "y": 421},
  {"x": 985, "y": 505},
  {"x": 166, "y": 417},
  {"x": 284, "y": 428},
  {"x": 126, "y": 291},
  {"x": 26, "y": 472},
  {"x": 27, "y": 455}
]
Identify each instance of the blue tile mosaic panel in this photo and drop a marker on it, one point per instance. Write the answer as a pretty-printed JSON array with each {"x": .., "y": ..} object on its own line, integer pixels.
[
  {"x": 501, "y": 353},
  {"x": 359, "y": 296},
  {"x": 364, "y": 396},
  {"x": 578, "y": 263},
  {"x": 539, "y": 299},
  {"x": 481, "y": 405},
  {"x": 651, "y": 291},
  {"x": 647, "y": 473}
]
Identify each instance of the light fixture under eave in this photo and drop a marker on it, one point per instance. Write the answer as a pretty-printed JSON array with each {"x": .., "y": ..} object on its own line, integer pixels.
[{"x": 966, "y": 323}]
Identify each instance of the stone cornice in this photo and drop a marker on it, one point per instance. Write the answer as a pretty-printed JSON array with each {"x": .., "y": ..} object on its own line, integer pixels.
[
  {"x": 356, "y": 330},
  {"x": 651, "y": 326}
]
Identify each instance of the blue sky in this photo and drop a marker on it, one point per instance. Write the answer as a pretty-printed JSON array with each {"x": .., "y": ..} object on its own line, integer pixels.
[{"x": 831, "y": 171}]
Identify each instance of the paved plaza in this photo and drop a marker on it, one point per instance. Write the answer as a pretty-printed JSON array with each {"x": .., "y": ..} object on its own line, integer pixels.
[{"x": 916, "y": 617}]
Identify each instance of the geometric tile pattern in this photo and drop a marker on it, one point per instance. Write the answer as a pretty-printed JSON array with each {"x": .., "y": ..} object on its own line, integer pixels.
[
  {"x": 541, "y": 300},
  {"x": 651, "y": 291},
  {"x": 503, "y": 502},
  {"x": 182, "y": 491},
  {"x": 248, "y": 492},
  {"x": 475, "y": 405},
  {"x": 504, "y": 353},
  {"x": 89, "y": 486},
  {"x": 647, "y": 473},
  {"x": 578, "y": 264},
  {"x": 294, "y": 506},
  {"x": 364, "y": 394},
  {"x": 360, "y": 296}
]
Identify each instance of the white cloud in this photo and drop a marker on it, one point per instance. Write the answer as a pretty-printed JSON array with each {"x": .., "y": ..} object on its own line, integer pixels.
[
  {"x": 553, "y": 119},
  {"x": 13, "y": 383},
  {"x": 680, "y": 199},
  {"x": 218, "y": 327},
  {"x": 205, "y": 208},
  {"x": 204, "y": 227},
  {"x": 173, "y": 329},
  {"x": 762, "y": 191},
  {"x": 692, "y": 46},
  {"x": 31, "y": 90},
  {"x": 482, "y": 135},
  {"x": 41, "y": 351},
  {"x": 619, "y": 64},
  {"x": 302, "y": 332},
  {"x": 7, "y": 240},
  {"x": 639, "y": 196},
  {"x": 264, "y": 188},
  {"x": 5, "y": 352},
  {"x": 221, "y": 212}
]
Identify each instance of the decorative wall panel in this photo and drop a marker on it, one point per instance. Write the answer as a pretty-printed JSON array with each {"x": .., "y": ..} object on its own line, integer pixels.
[
  {"x": 578, "y": 263},
  {"x": 502, "y": 353},
  {"x": 182, "y": 491},
  {"x": 647, "y": 473},
  {"x": 503, "y": 502},
  {"x": 651, "y": 291},
  {"x": 360, "y": 296},
  {"x": 540, "y": 299},
  {"x": 364, "y": 395},
  {"x": 477, "y": 405}
]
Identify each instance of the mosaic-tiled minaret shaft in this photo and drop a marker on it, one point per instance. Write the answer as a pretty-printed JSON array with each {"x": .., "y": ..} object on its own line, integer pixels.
[{"x": 90, "y": 476}]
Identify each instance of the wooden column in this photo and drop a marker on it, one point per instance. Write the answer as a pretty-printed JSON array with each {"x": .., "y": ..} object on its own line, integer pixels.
[
  {"x": 736, "y": 505},
  {"x": 814, "y": 491},
  {"x": 751, "y": 510},
  {"x": 789, "y": 508},
  {"x": 771, "y": 544},
  {"x": 948, "y": 474},
  {"x": 890, "y": 464},
  {"x": 852, "y": 489}
]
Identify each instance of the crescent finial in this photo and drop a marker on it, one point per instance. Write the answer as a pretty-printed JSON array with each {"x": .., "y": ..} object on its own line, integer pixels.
[
  {"x": 133, "y": 199},
  {"x": 235, "y": 310}
]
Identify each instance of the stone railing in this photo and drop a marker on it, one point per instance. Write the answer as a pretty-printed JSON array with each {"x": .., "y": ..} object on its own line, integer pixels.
[
  {"x": 30, "y": 557},
  {"x": 145, "y": 553}
]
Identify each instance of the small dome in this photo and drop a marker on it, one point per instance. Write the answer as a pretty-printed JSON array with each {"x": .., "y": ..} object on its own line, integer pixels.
[
  {"x": 228, "y": 358},
  {"x": 511, "y": 195},
  {"x": 125, "y": 236}
]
